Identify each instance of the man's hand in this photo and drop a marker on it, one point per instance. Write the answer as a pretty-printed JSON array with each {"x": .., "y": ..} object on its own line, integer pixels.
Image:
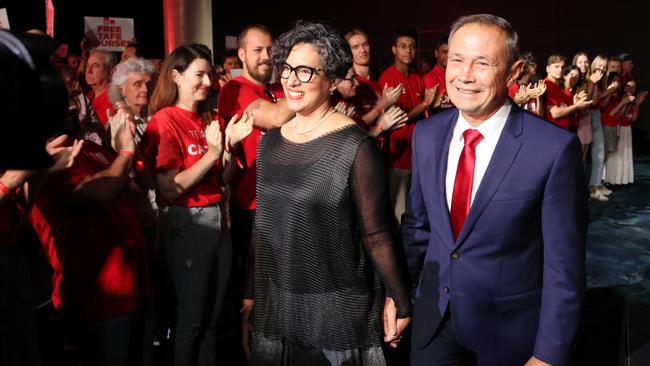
[
  {"x": 392, "y": 119},
  {"x": 393, "y": 327},
  {"x": 62, "y": 155},
  {"x": 536, "y": 362},
  {"x": 246, "y": 327},
  {"x": 390, "y": 96},
  {"x": 430, "y": 95}
]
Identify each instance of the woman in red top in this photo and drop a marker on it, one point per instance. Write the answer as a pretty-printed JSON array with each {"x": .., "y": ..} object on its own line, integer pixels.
[
  {"x": 619, "y": 168},
  {"x": 187, "y": 147}
]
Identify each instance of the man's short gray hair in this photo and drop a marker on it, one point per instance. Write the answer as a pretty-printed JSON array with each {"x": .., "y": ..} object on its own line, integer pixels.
[
  {"x": 109, "y": 58},
  {"x": 122, "y": 72},
  {"x": 512, "y": 39}
]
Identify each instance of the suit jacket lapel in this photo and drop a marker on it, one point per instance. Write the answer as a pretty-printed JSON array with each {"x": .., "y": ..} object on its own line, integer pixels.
[
  {"x": 502, "y": 157},
  {"x": 441, "y": 213}
]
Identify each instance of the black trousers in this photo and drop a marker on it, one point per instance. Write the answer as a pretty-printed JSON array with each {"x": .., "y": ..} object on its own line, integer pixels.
[{"x": 197, "y": 252}]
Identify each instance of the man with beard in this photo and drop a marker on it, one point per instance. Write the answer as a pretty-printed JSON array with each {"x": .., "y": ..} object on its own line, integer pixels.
[
  {"x": 437, "y": 75},
  {"x": 249, "y": 93},
  {"x": 560, "y": 104}
]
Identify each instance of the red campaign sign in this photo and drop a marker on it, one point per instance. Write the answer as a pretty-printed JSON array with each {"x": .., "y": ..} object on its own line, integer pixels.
[{"x": 112, "y": 34}]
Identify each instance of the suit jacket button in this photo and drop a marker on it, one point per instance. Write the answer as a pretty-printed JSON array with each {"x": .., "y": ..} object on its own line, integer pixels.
[
  {"x": 446, "y": 289},
  {"x": 455, "y": 255}
]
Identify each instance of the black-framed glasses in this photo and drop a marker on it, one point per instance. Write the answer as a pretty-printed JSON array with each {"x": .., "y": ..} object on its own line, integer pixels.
[
  {"x": 351, "y": 79},
  {"x": 303, "y": 73}
]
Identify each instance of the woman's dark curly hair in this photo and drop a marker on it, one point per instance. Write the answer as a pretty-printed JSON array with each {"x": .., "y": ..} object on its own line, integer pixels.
[{"x": 335, "y": 55}]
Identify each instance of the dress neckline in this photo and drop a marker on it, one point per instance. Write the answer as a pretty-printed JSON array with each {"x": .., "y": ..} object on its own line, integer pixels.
[{"x": 326, "y": 134}]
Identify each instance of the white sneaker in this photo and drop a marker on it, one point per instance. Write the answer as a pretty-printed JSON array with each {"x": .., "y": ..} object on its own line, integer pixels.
[
  {"x": 604, "y": 190},
  {"x": 599, "y": 196}
]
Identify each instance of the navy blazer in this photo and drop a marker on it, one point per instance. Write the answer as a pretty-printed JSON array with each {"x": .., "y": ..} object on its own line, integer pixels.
[{"x": 515, "y": 277}]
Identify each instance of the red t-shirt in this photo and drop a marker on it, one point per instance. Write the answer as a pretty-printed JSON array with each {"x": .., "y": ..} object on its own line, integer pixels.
[
  {"x": 437, "y": 77},
  {"x": 530, "y": 105},
  {"x": 623, "y": 117},
  {"x": 399, "y": 141},
  {"x": 368, "y": 92},
  {"x": 100, "y": 105},
  {"x": 97, "y": 251},
  {"x": 556, "y": 96},
  {"x": 181, "y": 143},
  {"x": 235, "y": 96}
]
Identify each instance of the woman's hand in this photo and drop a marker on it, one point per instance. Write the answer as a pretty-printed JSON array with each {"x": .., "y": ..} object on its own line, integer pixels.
[
  {"x": 596, "y": 75},
  {"x": 341, "y": 107},
  {"x": 393, "y": 327},
  {"x": 522, "y": 95},
  {"x": 246, "y": 327},
  {"x": 214, "y": 139},
  {"x": 237, "y": 130}
]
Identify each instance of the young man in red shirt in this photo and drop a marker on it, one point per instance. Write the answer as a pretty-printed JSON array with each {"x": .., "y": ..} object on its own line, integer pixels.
[
  {"x": 437, "y": 75},
  {"x": 415, "y": 100},
  {"x": 560, "y": 105},
  {"x": 368, "y": 91},
  {"x": 98, "y": 76}
]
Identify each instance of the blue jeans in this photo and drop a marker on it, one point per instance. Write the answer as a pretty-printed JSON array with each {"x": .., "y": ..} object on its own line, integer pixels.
[
  {"x": 197, "y": 252},
  {"x": 597, "y": 149}
]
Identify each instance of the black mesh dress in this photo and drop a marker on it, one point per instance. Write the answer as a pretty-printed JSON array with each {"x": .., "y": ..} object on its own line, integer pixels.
[{"x": 322, "y": 248}]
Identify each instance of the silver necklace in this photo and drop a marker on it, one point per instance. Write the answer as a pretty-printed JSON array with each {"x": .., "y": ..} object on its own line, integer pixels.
[{"x": 318, "y": 124}]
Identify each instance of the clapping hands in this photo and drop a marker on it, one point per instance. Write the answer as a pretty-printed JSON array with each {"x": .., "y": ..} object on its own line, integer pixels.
[
  {"x": 580, "y": 100},
  {"x": 343, "y": 108},
  {"x": 392, "y": 119},
  {"x": 237, "y": 130},
  {"x": 390, "y": 96}
]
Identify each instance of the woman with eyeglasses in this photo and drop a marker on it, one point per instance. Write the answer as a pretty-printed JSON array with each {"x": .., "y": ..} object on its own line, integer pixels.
[
  {"x": 186, "y": 146},
  {"x": 323, "y": 243}
]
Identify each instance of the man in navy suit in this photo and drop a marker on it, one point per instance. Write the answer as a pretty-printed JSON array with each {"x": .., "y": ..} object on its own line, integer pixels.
[{"x": 495, "y": 222}]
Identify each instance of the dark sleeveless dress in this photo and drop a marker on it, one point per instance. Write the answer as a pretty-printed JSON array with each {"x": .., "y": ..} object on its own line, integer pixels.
[{"x": 323, "y": 245}]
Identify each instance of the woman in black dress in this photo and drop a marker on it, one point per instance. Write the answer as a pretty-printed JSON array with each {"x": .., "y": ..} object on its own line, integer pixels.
[{"x": 323, "y": 240}]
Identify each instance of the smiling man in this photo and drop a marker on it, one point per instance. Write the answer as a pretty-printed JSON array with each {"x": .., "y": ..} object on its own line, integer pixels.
[{"x": 496, "y": 217}]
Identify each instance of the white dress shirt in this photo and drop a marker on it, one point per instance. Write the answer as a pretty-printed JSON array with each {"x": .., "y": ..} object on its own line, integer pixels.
[{"x": 491, "y": 130}]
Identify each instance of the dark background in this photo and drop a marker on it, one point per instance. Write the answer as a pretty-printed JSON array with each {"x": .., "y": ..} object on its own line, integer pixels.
[{"x": 552, "y": 26}]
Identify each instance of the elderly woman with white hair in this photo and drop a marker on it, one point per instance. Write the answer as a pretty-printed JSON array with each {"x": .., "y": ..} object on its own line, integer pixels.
[{"x": 130, "y": 90}]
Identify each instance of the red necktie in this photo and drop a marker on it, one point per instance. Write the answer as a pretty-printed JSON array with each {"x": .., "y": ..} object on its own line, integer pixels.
[{"x": 462, "y": 196}]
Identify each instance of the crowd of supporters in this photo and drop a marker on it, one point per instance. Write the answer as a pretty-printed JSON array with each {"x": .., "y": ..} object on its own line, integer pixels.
[{"x": 147, "y": 218}]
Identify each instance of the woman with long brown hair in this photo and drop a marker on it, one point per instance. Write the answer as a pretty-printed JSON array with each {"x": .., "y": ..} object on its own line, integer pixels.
[{"x": 186, "y": 147}]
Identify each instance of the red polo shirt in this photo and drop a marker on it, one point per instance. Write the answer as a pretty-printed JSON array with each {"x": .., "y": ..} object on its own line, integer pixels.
[
  {"x": 235, "y": 96},
  {"x": 399, "y": 144},
  {"x": 437, "y": 77}
]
